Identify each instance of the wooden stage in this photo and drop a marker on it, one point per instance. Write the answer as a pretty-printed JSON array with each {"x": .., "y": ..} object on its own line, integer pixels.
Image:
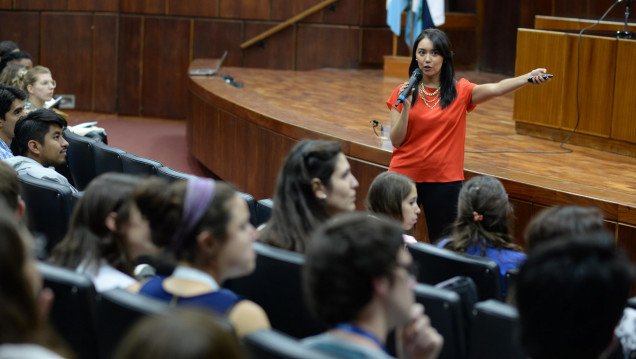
[{"x": 242, "y": 135}]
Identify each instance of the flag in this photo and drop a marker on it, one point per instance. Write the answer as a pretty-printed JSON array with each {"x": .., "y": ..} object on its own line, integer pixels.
[
  {"x": 394, "y": 9},
  {"x": 426, "y": 14}
]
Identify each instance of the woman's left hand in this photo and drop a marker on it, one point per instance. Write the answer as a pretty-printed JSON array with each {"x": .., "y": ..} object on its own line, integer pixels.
[{"x": 537, "y": 79}]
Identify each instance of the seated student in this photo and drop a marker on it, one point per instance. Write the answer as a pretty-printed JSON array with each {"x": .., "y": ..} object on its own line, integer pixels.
[
  {"x": 7, "y": 47},
  {"x": 357, "y": 280},
  {"x": 37, "y": 144},
  {"x": 482, "y": 227},
  {"x": 39, "y": 85},
  {"x": 11, "y": 109},
  {"x": 106, "y": 234},
  {"x": 571, "y": 295},
  {"x": 395, "y": 195},
  {"x": 568, "y": 222},
  {"x": 24, "y": 332},
  {"x": 557, "y": 221},
  {"x": 17, "y": 57},
  {"x": 205, "y": 225},
  {"x": 179, "y": 333},
  {"x": 13, "y": 75},
  {"x": 314, "y": 183}
]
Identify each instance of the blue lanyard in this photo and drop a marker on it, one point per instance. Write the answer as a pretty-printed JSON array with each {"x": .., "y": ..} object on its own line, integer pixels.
[{"x": 354, "y": 329}]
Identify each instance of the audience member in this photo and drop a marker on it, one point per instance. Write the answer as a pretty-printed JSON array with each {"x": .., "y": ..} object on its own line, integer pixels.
[
  {"x": 180, "y": 333},
  {"x": 483, "y": 224},
  {"x": 206, "y": 227},
  {"x": 395, "y": 195},
  {"x": 37, "y": 144},
  {"x": 106, "y": 234},
  {"x": 11, "y": 109},
  {"x": 314, "y": 183},
  {"x": 13, "y": 75},
  {"x": 7, "y": 47},
  {"x": 357, "y": 281},
  {"x": 568, "y": 222},
  {"x": 10, "y": 190},
  {"x": 16, "y": 57},
  {"x": 24, "y": 332},
  {"x": 555, "y": 222},
  {"x": 571, "y": 294},
  {"x": 40, "y": 86}
]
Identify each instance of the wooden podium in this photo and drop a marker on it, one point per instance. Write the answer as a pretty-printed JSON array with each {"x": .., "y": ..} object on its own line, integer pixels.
[{"x": 606, "y": 82}]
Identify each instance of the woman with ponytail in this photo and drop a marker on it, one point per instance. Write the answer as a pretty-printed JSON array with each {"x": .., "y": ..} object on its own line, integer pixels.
[{"x": 204, "y": 226}]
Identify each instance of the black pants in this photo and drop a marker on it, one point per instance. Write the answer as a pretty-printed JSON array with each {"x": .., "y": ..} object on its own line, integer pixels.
[{"x": 439, "y": 203}]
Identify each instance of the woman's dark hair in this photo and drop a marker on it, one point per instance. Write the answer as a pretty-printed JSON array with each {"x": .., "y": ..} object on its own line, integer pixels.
[
  {"x": 484, "y": 216},
  {"x": 442, "y": 44},
  {"x": 162, "y": 204},
  {"x": 296, "y": 210},
  {"x": 88, "y": 237},
  {"x": 7, "y": 46},
  {"x": 555, "y": 222},
  {"x": 191, "y": 333},
  {"x": 386, "y": 193}
]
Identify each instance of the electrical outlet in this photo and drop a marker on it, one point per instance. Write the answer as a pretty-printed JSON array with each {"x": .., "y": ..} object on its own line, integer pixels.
[{"x": 67, "y": 102}]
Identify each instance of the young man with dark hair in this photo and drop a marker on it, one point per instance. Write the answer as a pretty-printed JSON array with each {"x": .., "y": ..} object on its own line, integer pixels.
[
  {"x": 38, "y": 144},
  {"x": 571, "y": 295},
  {"x": 11, "y": 109},
  {"x": 357, "y": 281}
]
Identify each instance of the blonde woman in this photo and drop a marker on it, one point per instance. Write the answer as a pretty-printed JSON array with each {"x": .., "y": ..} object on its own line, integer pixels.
[{"x": 39, "y": 86}]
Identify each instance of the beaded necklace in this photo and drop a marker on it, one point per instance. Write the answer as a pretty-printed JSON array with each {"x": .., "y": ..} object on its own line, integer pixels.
[{"x": 435, "y": 99}]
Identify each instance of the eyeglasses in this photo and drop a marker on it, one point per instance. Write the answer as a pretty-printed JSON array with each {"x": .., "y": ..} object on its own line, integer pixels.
[
  {"x": 46, "y": 83},
  {"x": 412, "y": 269}
]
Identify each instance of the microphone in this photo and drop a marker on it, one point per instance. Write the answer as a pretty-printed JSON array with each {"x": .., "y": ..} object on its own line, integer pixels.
[{"x": 416, "y": 76}]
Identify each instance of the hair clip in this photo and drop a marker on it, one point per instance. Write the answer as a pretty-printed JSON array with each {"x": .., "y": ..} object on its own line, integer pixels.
[{"x": 477, "y": 217}]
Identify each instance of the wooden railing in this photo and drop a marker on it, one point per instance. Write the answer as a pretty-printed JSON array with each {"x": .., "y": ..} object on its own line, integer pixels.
[{"x": 287, "y": 23}]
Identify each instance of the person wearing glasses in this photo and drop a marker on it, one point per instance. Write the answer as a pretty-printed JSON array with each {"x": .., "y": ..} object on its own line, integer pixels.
[
  {"x": 358, "y": 280},
  {"x": 40, "y": 86}
]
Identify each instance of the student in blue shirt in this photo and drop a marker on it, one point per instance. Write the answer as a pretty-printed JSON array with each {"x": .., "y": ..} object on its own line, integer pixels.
[{"x": 11, "y": 109}]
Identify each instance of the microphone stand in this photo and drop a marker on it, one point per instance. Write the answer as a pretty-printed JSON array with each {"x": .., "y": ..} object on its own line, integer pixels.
[{"x": 625, "y": 34}]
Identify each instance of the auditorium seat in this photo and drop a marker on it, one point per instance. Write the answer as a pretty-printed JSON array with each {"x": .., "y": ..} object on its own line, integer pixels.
[
  {"x": 73, "y": 311},
  {"x": 117, "y": 311},
  {"x": 445, "y": 309},
  {"x": 263, "y": 210},
  {"x": 107, "y": 158},
  {"x": 171, "y": 175},
  {"x": 80, "y": 159},
  {"x": 274, "y": 284},
  {"x": 48, "y": 207},
  {"x": 511, "y": 282},
  {"x": 631, "y": 302},
  {"x": 271, "y": 344},
  {"x": 495, "y": 331},
  {"x": 136, "y": 165},
  {"x": 251, "y": 205},
  {"x": 438, "y": 264}
]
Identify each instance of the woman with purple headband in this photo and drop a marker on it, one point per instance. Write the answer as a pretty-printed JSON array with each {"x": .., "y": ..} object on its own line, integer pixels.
[{"x": 205, "y": 226}]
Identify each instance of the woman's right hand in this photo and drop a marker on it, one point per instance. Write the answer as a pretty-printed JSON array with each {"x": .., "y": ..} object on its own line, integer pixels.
[{"x": 407, "y": 96}]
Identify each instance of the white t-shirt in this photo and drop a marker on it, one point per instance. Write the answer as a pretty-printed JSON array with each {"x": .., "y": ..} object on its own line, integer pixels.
[
  {"x": 105, "y": 277},
  {"x": 26, "y": 351}
]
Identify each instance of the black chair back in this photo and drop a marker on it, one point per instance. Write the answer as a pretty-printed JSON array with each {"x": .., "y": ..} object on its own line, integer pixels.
[
  {"x": 73, "y": 311},
  {"x": 107, "y": 158},
  {"x": 271, "y": 344},
  {"x": 171, "y": 175},
  {"x": 135, "y": 165},
  {"x": 631, "y": 302},
  {"x": 445, "y": 309},
  {"x": 276, "y": 286},
  {"x": 251, "y": 205},
  {"x": 438, "y": 264},
  {"x": 263, "y": 210},
  {"x": 117, "y": 310},
  {"x": 48, "y": 208},
  {"x": 80, "y": 159},
  {"x": 495, "y": 332}
]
